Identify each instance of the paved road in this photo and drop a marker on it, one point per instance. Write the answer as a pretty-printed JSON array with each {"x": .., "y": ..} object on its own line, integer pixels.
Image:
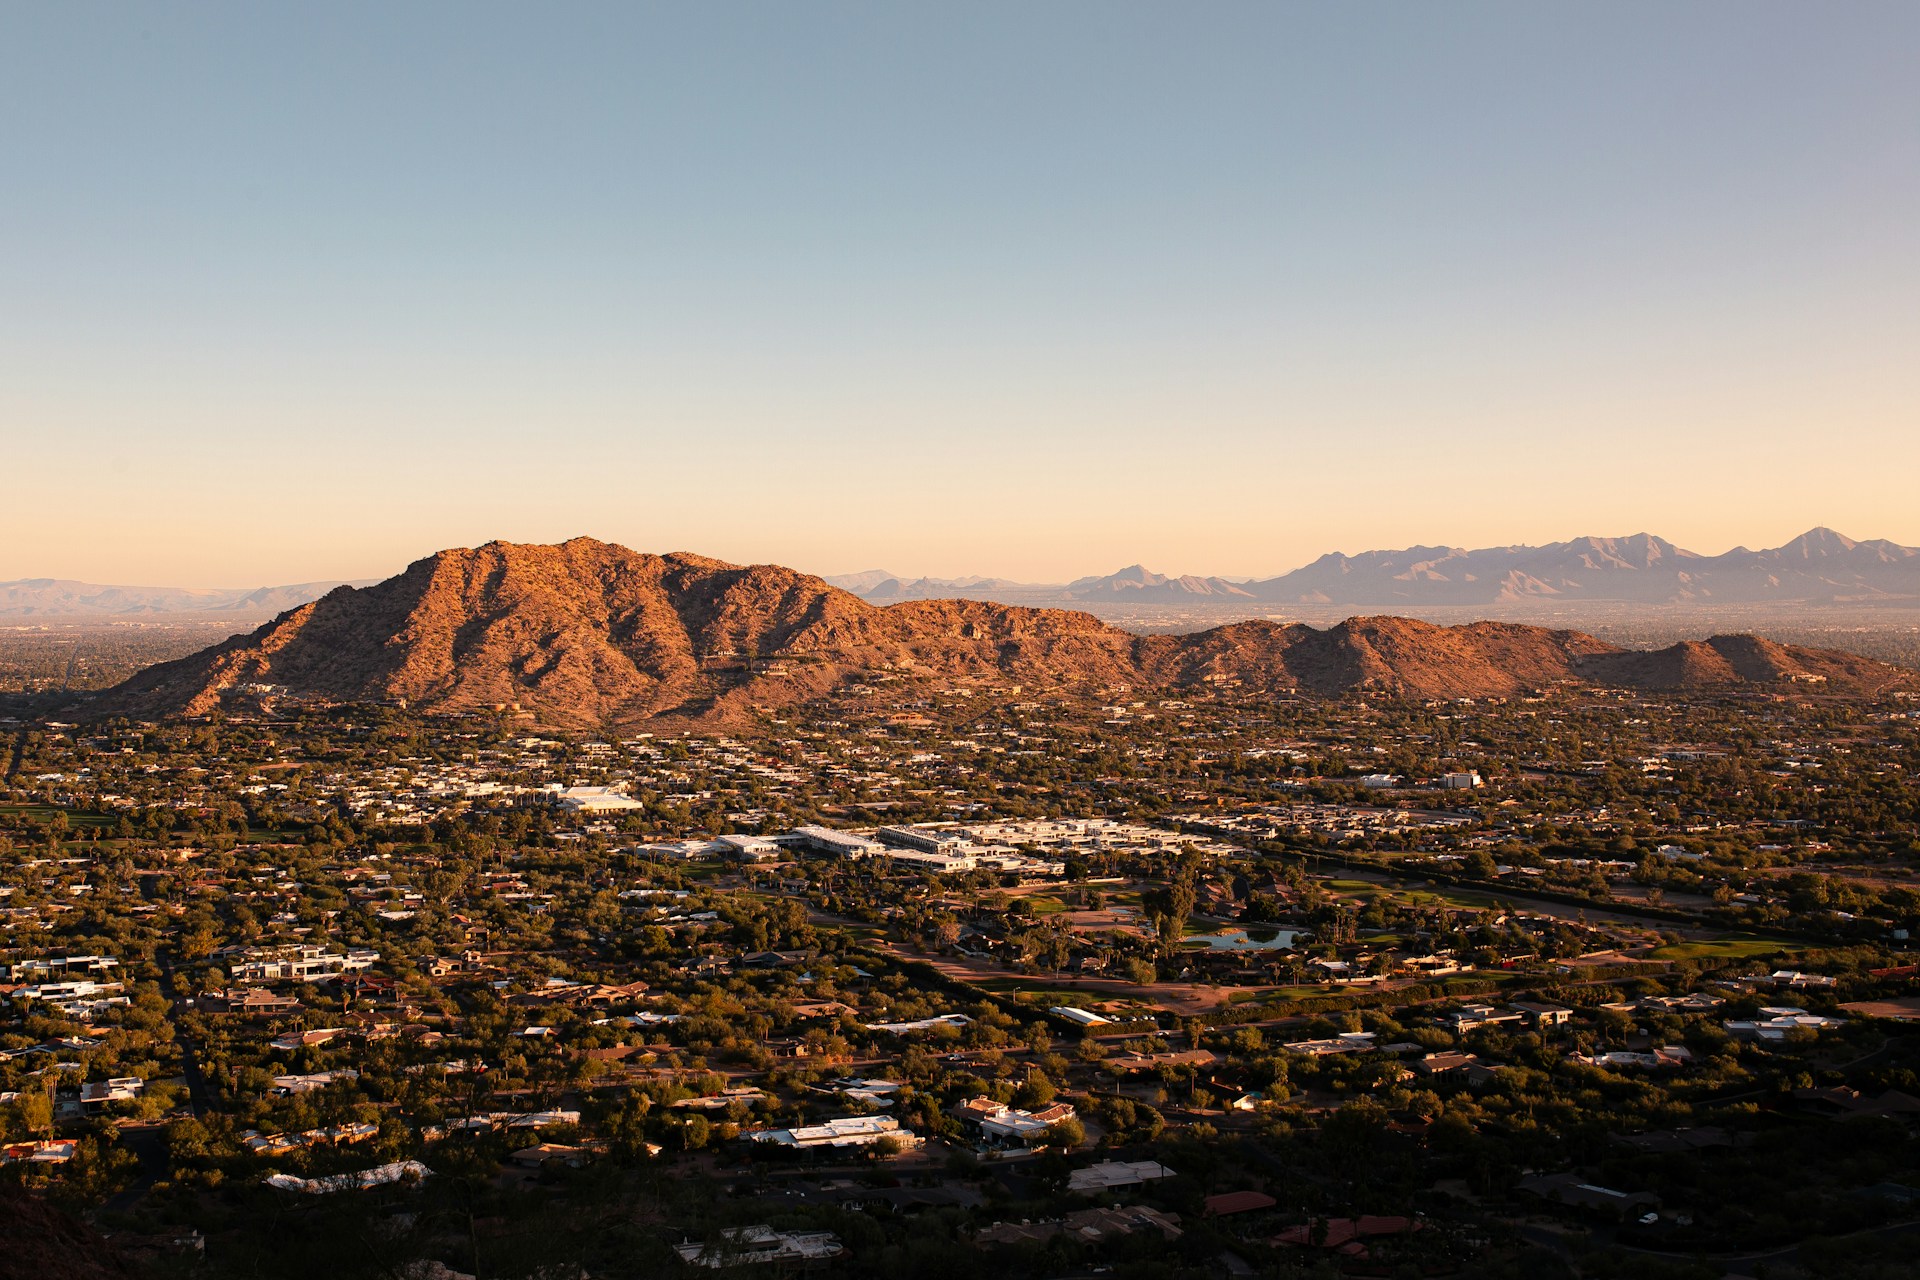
[
  {"x": 19, "y": 754},
  {"x": 148, "y": 1141},
  {"x": 1736, "y": 1264},
  {"x": 199, "y": 1099},
  {"x": 1752, "y": 1263},
  {"x": 1180, "y": 998},
  {"x": 1609, "y": 912}
]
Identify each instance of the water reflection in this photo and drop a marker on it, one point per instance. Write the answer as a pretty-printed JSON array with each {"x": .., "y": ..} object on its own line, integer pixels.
[{"x": 1248, "y": 940}]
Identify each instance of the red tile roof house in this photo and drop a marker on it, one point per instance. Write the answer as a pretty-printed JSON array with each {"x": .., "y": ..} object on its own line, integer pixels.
[
  {"x": 1001, "y": 1125},
  {"x": 99, "y": 1093},
  {"x": 1345, "y": 1234},
  {"x": 50, "y": 1152},
  {"x": 1238, "y": 1202}
]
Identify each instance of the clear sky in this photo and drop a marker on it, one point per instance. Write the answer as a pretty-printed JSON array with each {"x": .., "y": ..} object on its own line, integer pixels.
[{"x": 293, "y": 291}]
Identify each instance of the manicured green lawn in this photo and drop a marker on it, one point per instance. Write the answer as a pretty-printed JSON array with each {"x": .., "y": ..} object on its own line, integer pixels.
[
  {"x": 1004, "y": 985},
  {"x": 705, "y": 870},
  {"x": 1458, "y": 897},
  {"x": 1042, "y": 996},
  {"x": 1734, "y": 947},
  {"x": 47, "y": 812}
]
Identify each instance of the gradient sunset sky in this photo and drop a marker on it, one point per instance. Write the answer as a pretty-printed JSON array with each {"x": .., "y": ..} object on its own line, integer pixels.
[{"x": 301, "y": 291}]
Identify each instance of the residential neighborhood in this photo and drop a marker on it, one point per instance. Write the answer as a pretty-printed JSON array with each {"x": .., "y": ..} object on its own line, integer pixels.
[{"x": 1054, "y": 980}]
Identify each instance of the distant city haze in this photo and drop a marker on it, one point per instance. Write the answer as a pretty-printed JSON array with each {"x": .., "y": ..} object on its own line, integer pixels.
[
  {"x": 301, "y": 294},
  {"x": 1819, "y": 570}
]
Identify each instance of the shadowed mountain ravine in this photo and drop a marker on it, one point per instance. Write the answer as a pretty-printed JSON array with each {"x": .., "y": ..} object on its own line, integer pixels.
[{"x": 586, "y": 631}]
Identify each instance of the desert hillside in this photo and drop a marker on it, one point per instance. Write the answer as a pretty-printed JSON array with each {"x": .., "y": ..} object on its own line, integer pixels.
[{"x": 586, "y": 631}]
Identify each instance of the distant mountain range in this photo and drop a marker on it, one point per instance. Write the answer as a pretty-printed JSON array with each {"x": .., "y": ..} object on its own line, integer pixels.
[
  {"x": 60, "y": 599},
  {"x": 1137, "y": 582},
  {"x": 1818, "y": 567},
  {"x": 586, "y": 632}
]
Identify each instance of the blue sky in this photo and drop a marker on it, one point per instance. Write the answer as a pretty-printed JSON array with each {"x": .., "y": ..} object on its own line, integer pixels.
[{"x": 301, "y": 291}]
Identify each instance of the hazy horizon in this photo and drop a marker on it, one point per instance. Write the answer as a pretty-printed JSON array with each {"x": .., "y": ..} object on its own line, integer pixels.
[
  {"x": 909, "y": 575},
  {"x": 300, "y": 294}
]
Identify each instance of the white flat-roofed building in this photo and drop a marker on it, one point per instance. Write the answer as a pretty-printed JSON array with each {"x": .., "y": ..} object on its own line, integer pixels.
[
  {"x": 878, "y": 1092},
  {"x": 300, "y": 964},
  {"x": 287, "y": 1086},
  {"x": 922, "y": 1024},
  {"x": 746, "y": 1246},
  {"x": 66, "y": 966},
  {"x": 99, "y": 1093},
  {"x": 596, "y": 800},
  {"x": 845, "y": 1131},
  {"x": 359, "y": 1181},
  {"x": 1002, "y": 860},
  {"x": 944, "y": 863},
  {"x": 1110, "y": 1175},
  {"x": 47, "y": 1151},
  {"x": 841, "y": 844},
  {"x": 1475, "y": 1016},
  {"x": 1779, "y": 1022},
  {"x": 1084, "y": 1017},
  {"x": 685, "y": 850},
  {"x": 749, "y": 848},
  {"x": 1001, "y": 1125},
  {"x": 1345, "y": 1042},
  {"x": 925, "y": 840},
  {"x": 78, "y": 989}
]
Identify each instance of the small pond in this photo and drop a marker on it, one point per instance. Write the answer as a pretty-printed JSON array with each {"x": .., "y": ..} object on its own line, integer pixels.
[{"x": 1247, "y": 940}]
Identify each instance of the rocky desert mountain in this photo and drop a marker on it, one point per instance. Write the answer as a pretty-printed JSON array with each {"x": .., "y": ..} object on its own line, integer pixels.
[
  {"x": 587, "y": 631},
  {"x": 47, "y": 1243}
]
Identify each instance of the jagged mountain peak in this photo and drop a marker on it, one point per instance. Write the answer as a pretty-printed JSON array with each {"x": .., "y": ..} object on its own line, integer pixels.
[
  {"x": 1137, "y": 583},
  {"x": 1643, "y": 568},
  {"x": 1818, "y": 541}
]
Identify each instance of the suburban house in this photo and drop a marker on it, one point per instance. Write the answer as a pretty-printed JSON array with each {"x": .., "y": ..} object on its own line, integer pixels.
[{"x": 999, "y": 1125}]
